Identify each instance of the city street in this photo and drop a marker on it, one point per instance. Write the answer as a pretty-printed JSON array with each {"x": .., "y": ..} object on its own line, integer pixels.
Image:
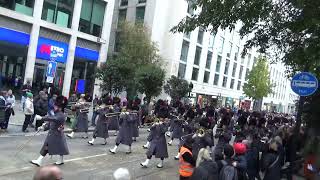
[{"x": 85, "y": 162}]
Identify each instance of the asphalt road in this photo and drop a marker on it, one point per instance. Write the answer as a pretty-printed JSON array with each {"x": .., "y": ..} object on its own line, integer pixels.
[{"x": 84, "y": 162}]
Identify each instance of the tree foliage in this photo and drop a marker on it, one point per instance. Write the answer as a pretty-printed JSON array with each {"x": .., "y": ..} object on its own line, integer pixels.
[
  {"x": 136, "y": 50},
  {"x": 150, "y": 79},
  {"x": 290, "y": 27},
  {"x": 177, "y": 88},
  {"x": 259, "y": 84}
]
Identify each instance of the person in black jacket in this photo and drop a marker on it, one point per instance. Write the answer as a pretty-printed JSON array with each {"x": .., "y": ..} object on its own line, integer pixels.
[
  {"x": 271, "y": 165},
  {"x": 206, "y": 168},
  {"x": 41, "y": 107}
]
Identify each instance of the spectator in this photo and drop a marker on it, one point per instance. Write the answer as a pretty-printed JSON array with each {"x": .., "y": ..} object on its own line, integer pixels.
[
  {"x": 187, "y": 162},
  {"x": 10, "y": 102},
  {"x": 48, "y": 173},
  {"x": 225, "y": 166},
  {"x": 25, "y": 88},
  {"x": 2, "y": 105},
  {"x": 239, "y": 161},
  {"x": 41, "y": 107},
  {"x": 271, "y": 163},
  {"x": 51, "y": 104},
  {"x": 29, "y": 111},
  {"x": 206, "y": 168}
]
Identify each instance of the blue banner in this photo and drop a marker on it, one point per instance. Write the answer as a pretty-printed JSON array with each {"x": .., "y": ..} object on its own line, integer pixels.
[
  {"x": 87, "y": 54},
  {"x": 81, "y": 86},
  {"x": 14, "y": 36},
  {"x": 52, "y": 50}
]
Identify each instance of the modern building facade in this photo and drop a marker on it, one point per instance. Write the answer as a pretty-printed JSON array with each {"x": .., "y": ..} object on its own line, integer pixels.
[
  {"x": 73, "y": 33},
  {"x": 212, "y": 62},
  {"x": 283, "y": 99}
]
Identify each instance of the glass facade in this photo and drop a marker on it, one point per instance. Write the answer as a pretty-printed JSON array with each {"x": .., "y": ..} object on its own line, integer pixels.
[
  {"x": 83, "y": 70},
  {"x": 218, "y": 65},
  {"x": 122, "y": 15},
  {"x": 206, "y": 76},
  {"x": 234, "y": 69},
  {"x": 142, "y": 1},
  {"x": 124, "y": 3},
  {"x": 195, "y": 73},
  {"x": 220, "y": 45},
  {"x": 239, "y": 85},
  {"x": 229, "y": 49},
  {"x": 216, "y": 80},
  {"x": 236, "y": 54},
  {"x": 226, "y": 67},
  {"x": 140, "y": 14},
  {"x": 197, "y": 56},
  {"x": 240, "y": 72},
  {"x": 91, "y": 17},
  {"x": 208, "y": 62},
  {"x": 58, "y": 12},
  {"x": 224, "y": 83},
  {"x": 184, "y": 51},
  {"x": 200, "y": 36},
  {"x": 182, "y": 70},
  {"x": 232, "y": 84},
  {"x": 21, "y": 6}
]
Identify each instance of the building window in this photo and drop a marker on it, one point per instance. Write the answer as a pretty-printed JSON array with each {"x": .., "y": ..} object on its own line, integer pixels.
[
  {"x": 21, "y": 6},
  {"x": 211, "y": 42},
  {"x": 190, "y": 8},
  {"x": 248, "y": 62},
  {"x": 184, "y": 51},
  {"x": 91, "y": 17},
  {"x": 232, "y": 84},
  {"x": 255, "y": 59},
  {"x": 142, "y": 1},
  {"x": 242, "y": 59},
  {"x": 226, "y": 68},
  {"x": 182, "y": 70},
  {"x": 197, "y": 56},
  {"x": 195, "y": 73},
  {"x": 124, "y": 3},
  {"x": 247, "y": 73},
  {"x": 140, "y": 14},
  {"x": 122, "y": 15},
  {"x": 216, "y": 80},
  {"x": 249, "y": 58},
  {"x": 206, "y": 76},
  {"x": 234, "y": 69},
  {"x": 208, "y": 62},
  {"x": 239, "y": 85},
  {"x": 236, "y": 54},
  {"x": 224, "y": 82},
  {"x": 58, "y": 12},
  {"x": 229, "y": 49},
  {"x": 240, "y": 72},
  {"x": 220, "y": 45},
  {"x": 187, "y": 35},
  {"x": 117, "y": 43},
  {"x": 200, "y": 36},
  {"x": 218, "y": 65}
]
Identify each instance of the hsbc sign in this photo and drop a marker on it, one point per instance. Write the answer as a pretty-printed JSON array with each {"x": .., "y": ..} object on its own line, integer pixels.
[{"x": 49, "y": 49}]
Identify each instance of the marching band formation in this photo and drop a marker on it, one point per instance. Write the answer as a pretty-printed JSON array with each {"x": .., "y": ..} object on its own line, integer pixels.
[{"x": 193, "y": 128}]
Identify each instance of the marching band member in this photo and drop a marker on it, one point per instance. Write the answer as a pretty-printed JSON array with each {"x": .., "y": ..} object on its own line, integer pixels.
[
  {"x": 135, "y": 116},
  {"x": 55, "y": 143},
  {"x": 125, "y": 131},
  {"x": 177, "y": 129},
  {"x": 101, "y": 129},
  {"x": 158, "y": 145},
  {"x": 81, "y": 124},
  {"x": 114, "y": 121}
]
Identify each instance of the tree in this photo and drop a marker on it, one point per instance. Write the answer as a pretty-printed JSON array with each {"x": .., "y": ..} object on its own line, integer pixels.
[
  {"x": 177, "y": 88},
  {"x": 135, "y": 51},
  {"x": 259, "y": 84},
  {"x": 150, "y": 80}
]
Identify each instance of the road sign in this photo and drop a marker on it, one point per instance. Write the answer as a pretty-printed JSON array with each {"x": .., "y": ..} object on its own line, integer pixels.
[
  {"x": 304, "y": 84},
  {"x": 51, "y": 69}
]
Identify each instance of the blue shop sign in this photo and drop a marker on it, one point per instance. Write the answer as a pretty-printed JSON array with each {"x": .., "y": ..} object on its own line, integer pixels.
[
  {"x": 87, "y": 54},
  {"x": 47, "y": 49},
  {"x": 14, "y": 36}
]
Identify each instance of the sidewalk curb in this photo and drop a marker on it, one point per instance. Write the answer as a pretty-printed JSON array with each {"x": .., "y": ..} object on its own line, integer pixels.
[{"x": 67, "y": 130}]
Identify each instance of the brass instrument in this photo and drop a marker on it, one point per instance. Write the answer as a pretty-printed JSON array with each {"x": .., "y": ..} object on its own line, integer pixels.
[{"x": 84, "y": 107}]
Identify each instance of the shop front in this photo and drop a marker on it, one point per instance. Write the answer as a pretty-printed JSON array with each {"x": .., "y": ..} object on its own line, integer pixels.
[{"x": 13, "y": 59}]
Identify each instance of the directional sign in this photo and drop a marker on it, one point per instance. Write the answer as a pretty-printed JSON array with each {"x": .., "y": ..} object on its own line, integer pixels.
[
  {"x": 51, "y": 70},
  {"x": 304, "y": 84}
]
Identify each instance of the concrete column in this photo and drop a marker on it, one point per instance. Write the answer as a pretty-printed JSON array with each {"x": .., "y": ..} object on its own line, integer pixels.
[
  {"x": 105, "y": 35},
  {"x": 72, "y": 49},
  {"x": 33, "y": 43}
]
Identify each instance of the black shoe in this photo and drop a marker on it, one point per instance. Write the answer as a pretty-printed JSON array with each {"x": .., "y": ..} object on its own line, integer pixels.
[
  {"x": 25, "y": 131},
  {"x": 90, "y": 143},
  {"x": 129, "y": 152},
  {"x": 104, "y": 143},
  {"x": 31, "y": 125},
  {"x": 35, "y": 163},
  {"x": 58, "y": 164},
  {"x": 175, "y": 158}
]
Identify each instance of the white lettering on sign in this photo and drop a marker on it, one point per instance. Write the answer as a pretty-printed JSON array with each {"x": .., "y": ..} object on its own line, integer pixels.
[{"x": 306, "y": 84}]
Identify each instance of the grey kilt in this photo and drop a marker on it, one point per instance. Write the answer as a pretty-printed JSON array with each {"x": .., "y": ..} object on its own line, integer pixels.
[
  {"x": 114, "y": 121},
  {"x": 158, "y": 144},
  {"x": 125, "y": 131},
  {"x": 101, "y": 129},
  {"x": 55, "y": 142},
  {"x": 177, "y": 129},
  {"x": 82, "y": 122},
  {"x": 135, "y": 127}
]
